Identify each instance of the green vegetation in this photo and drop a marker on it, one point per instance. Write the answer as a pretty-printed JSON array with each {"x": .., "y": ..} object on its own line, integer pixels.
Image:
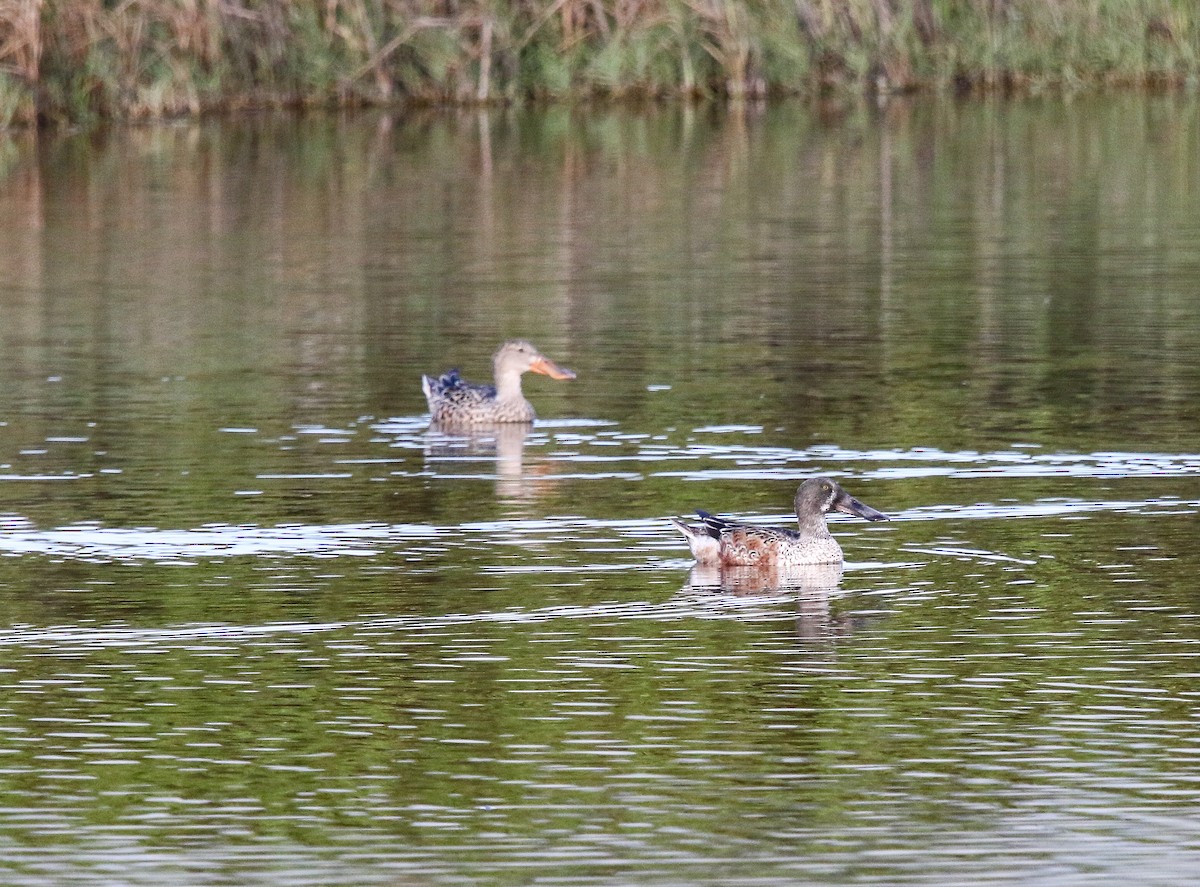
[{"x": 76, "y": 60}]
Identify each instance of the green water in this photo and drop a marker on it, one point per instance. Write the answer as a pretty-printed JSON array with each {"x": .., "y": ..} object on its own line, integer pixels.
[{"x": 259, "y": 624}]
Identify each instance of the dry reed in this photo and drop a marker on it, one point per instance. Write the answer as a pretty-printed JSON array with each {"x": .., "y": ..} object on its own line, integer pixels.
[{"x": 76, "y": 60}]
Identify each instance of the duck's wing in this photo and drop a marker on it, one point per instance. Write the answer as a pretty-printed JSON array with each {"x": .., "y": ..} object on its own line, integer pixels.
[
  {"x": 746, "y": 546},
  {"x": 715, "y": 526},
  {"x": 451, "y": 384},
  {"x": 452, "y": 389}
]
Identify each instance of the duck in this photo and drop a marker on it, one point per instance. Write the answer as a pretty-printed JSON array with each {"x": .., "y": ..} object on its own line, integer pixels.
[
  {"x": 725, "y": 543},
  {"x": 453, "y": 401}
]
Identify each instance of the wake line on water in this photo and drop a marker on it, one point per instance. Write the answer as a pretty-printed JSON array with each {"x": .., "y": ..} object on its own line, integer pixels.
[
  {"x": 774, "y": 463},
  {"x": 712, "y": 606},
  {"x": 420, "y": 542},
  {"x": 90, "y": 542}
]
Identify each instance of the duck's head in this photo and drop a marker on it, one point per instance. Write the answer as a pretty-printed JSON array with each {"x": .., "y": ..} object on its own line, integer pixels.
[
  {"x": 517, "y": 355},
  {"x": 821, "y": 495}
]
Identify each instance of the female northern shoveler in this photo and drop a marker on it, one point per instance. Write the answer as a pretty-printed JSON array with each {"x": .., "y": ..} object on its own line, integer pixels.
[
  {"x": 718, "y": 541},
  {"x": 454, "y": 401}
]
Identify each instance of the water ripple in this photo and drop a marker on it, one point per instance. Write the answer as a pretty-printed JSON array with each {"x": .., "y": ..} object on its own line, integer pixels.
[
  {"x": 93, "y": 543},
  {"x": 772, "y": 462},
  {"x": 589, "y": 441}
]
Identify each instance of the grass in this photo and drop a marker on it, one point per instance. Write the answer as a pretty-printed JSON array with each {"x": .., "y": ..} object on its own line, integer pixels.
[{"x": 79, "y": 60}]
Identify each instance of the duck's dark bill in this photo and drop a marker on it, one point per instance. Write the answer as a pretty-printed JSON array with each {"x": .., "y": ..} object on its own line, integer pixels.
[{"x": 849, "y": 505}]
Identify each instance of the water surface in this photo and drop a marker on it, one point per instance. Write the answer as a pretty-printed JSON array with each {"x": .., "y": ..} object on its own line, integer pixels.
[{"x": 260, "y": 624}]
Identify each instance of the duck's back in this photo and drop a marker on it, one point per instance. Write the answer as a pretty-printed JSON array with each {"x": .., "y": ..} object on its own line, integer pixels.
[
  {"x": 454, "y": 400},
  {"x": 753, "y": 546},
  {"x": 738, "y": 545}
]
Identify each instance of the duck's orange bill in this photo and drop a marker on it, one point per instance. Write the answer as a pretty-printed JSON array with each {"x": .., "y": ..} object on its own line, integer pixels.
[{"x": 547, "y": 367}]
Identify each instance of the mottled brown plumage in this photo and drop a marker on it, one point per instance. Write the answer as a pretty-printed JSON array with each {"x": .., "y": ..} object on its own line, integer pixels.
[{"x": 456, "y": 402}]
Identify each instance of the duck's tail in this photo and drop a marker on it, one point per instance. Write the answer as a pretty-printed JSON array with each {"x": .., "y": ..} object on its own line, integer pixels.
[
  {"x": 438, "y": 387},
  {"x": 706, "y": 548}
]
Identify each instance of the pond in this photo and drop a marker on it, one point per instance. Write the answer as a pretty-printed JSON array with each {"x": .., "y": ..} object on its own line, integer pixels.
[{"x": 260, "y": 623}]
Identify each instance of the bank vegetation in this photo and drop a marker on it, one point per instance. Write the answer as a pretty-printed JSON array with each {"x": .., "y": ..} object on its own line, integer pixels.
[{"x": 81, "y": 60}]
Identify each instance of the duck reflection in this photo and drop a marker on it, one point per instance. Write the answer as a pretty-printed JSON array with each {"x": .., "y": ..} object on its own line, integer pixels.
[
  {"x": 807, "y": 578},
  {"x": 503, "y": 442},
  {"x": 814, "y": 586}
]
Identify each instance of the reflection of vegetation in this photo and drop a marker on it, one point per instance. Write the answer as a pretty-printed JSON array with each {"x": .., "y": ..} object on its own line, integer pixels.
[
  {"x": 81, "y": 58},
  {"x": 959, "y": 276}
]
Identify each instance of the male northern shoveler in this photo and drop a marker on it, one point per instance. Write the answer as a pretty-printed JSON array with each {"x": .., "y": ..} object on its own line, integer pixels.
[
  {"x": 718, "y": 541},
  {"x": 454, "y": 401}
]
